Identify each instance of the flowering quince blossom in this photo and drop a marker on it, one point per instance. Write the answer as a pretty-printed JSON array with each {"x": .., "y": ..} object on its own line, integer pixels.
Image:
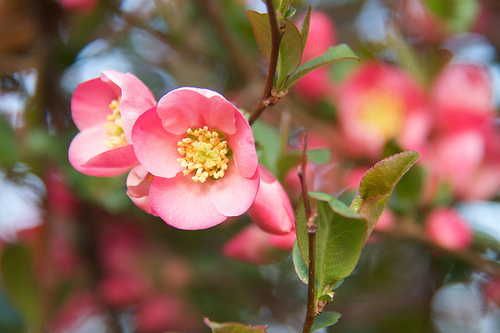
[
  {"x": 201, "y": 154},
  {"x": 104, "y": 109},
  {"x": 446, "y": 228},
  {"x": 379, "y": 103},
  {"x": 138, "y": 184},
  {"x": 467, "y": 149},
  {"x": 272, "y": 210}
]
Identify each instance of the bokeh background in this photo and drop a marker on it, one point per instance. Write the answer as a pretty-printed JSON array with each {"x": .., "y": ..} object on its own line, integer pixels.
[{"x": 77, "y": 256}]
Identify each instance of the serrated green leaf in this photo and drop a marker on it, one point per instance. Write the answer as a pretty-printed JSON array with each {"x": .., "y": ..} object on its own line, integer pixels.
[
  {"x": 304, "y": 29},
  {"x": 300, "y": 266},
  {"x": 261, "y": 31},
  {"x": 233, "y": 327},
  {"x": 290, "y": 53},
  {"x": 325, "y": 319},
  {"x": 340, "y": 237},
  {"x": 19, "y": 283},
  {"x": 333, "y": 54},
  {"x": 378, "y": 183}
]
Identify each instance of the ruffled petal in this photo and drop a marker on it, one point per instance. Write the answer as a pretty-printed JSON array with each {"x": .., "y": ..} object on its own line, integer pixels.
[
  {"x": 185, "y": 108},
  {"x": 88, "y": 154},
  {"x": 90, "y": 103},
  {"x": 138, "y": 184},
  {"x": 136, "y": 99},
  {"x": 243, "y": 146},
  {"x": 184, "y": 204},
  {"x": 233, "y": 194},
  {"x": 155, "y": 148}
]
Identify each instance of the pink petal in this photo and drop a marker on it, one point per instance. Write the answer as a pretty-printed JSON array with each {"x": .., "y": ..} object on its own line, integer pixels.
[
  {"x": 183, "y": 203},
  {"x": 90, "y": 103},
  {"x": 156, "y": 148},
  {"x": 185, "y": 108},
  {"x": 138, "y": 184},
  {"x": 233, "y": 194},
  {"x": 136, "y": 99},
  {"x": 88, "y": 154},
  {"x": 243, "y": 145}
]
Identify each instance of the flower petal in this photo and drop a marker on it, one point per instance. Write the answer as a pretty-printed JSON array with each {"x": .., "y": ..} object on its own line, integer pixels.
[
  {"x": 185, "y": 108},
  {"x": 88, "y": 154},
  {"x": 233, "y": 194},
  {"x": 183, "y": 203},
  {"x": 136, "y": 99},
  {"x": 90, "y": 103},
  {"x": 156, "y": 148},
  {"x": 243, "y": 145},
  {"x": 138, "y": 184}
]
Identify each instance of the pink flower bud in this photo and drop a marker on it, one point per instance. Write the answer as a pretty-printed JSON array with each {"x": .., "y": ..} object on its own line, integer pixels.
[
  {"x": 272, "y": 210},
  {"x": 82, "y": 6},
  {"x": 448, "y": 229}
]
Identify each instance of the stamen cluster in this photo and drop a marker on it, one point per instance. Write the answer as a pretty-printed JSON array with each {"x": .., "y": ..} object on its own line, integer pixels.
[
  {"x": 114, "y": 129},
  {"x": 204, "y": 151}
]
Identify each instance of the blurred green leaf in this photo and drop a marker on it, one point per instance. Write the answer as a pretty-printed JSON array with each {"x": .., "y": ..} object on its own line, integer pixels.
[
  {"x": 304, "y": 29},
  {"x": 340, "y": 237},
  {"x": 320, "y": 156},
  {"x": 8, "y": 150},
  {"x": 19, "y": 283},
  {"x": 267, "y": 139},
  {"x": 378, "y": 183},
  {"x": 262, "y": 31},
  {"x": 233, "y": 327},
  {"x": 299, "y": 264},
  {"x": 459, "y": 14},
  {"x": 333, "y": 54},
  {"x": 289, "y": 55},
  {"x": 10, "y": 320},
  {"x": 325, "y": 319}
]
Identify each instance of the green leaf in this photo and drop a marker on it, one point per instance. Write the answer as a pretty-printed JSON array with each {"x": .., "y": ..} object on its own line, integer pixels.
[
  {"x": 8, "y": 150},
  {"x": 299, "y": 264},
  {"x": 320, "y": 156},
  {"x": 340, "y": 237},
  {"x": 233, "y": 327},
  {"x": 290, "y": 53},
  {"x": 304, "y": 29},
  {"x": 261, "y": 31},
  {"x": 10, "y": 320},
  {"x": 19, "y": 284},
  {"x": 378, "y": 183},
  {"x": 325, "y": 319},
  {"x": 333, "y": 54},
  {"x": 267, "y": 139}
]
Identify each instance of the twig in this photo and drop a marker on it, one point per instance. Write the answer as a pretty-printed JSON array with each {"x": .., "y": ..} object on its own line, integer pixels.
[
  {"x": 311, "y": 312},
  {"x": 267, "y": 95}
]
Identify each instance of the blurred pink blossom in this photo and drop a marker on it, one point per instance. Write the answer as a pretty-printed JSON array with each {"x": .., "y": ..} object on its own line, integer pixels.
[
  {"x": 120, "y": 290},
  {"x": 271, "y": 209},
  {"x": 446, "y": 228},
  {"x": 419, "y": 21},
  {"x": 82, "y": 6},
  {"x": 201, "y": 152},
  {"x": 255, "y": 246},
  {"x": 379, "y": 103},
  {"x": 104, "y": 110}
]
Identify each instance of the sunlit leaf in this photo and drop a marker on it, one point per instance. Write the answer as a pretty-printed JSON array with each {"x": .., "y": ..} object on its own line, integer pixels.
[
  {"x": 262, "y": 31},
  {"x": 233, "y": 327},
  {"x": 325, "y": 319},
  {"x": 333, "y": 54},
  {"x": 378, "y": 183}
]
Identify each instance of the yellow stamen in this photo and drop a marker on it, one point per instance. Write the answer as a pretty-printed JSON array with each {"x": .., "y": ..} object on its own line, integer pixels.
[
  {"x": 204, "y": 152},
  {"x": 383, "y": 112},
  {"x": 114, "y": 130}
]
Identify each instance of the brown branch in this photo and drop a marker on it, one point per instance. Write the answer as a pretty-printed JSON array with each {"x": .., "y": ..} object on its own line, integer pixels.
[
  {"x": 267, "y": 95},
  {"x": 311, "y": 311}
]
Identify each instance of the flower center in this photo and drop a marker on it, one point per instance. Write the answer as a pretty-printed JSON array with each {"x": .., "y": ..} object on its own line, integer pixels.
[
  {"x": 114, "y": 130},
  {"x": 383, "y": 112},
  {"x": 203, "y": 151}
]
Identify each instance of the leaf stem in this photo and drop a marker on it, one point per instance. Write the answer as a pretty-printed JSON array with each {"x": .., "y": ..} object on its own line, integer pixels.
[
  {"x": 311, "y": 311},
  {"x": 267, "y": 95}
]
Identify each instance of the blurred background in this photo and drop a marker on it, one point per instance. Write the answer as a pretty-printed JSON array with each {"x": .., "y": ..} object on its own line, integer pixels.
[{"x": 77, "y": 256}]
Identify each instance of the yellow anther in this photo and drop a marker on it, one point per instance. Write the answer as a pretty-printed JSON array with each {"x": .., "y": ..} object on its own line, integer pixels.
[
  {"x": 205, "y": 152},
  {"x": 114, "y": 130}
]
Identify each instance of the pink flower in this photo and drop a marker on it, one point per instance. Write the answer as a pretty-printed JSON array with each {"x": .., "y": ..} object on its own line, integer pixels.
[
  {"x": 104, "y": 110},
  {"x": 201, "y": 152},
  {"x": 83, "y": 6},
  {"x": 446, "y": 228},
  {"x": 255, "y": 246},
  {"x": 138, "y": 184},
  {"x": 272, "y": 210},
  {"x": 379, "y": 103}
]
